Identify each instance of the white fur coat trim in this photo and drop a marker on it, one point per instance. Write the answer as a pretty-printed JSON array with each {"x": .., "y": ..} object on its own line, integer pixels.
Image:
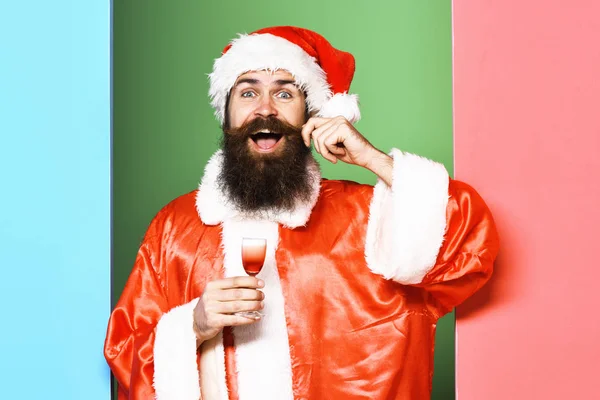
[
  {"x": 175, "y": 367},
  {"x": 407, "y": 223},
  {"x": 213, "y": 379},
  {"x": 214, "y": 206},
  {"x": 262, "y": 348}
]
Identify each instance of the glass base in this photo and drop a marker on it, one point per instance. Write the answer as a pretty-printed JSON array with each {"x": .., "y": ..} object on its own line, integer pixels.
[{"x": 250, "y": 314}]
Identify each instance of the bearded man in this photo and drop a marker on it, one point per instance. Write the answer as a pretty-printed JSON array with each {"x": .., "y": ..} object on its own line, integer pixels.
[{"x": 355, "y": 276}]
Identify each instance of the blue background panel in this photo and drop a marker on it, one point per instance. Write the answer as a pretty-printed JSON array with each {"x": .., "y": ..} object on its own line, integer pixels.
[{"x": 54, "y": 198}]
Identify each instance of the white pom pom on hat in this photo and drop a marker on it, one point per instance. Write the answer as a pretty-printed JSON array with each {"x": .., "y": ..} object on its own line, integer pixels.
[{"x": 322, "y": 71}]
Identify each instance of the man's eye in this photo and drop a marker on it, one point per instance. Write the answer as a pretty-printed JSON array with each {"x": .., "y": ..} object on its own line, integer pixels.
[
  {"x": 248, "y": 94},
  {"x": 285, "y": 95}
]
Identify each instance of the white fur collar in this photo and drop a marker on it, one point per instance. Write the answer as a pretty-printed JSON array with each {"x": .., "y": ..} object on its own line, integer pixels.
[{"x": 214, "y": 206}]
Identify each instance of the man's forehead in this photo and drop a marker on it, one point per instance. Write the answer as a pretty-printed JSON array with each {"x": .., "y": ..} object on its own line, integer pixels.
[{"x": 266, "y": 76}]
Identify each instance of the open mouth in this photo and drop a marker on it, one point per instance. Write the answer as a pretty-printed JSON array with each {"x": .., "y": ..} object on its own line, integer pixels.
[{"x": 266, "y": 140}]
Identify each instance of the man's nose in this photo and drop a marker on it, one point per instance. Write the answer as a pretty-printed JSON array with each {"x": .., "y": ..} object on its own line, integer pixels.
[{"x": 266, "y": 107}]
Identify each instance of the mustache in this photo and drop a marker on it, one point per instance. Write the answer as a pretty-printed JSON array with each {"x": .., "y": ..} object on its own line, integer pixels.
[{"x": 273, "y": 124}]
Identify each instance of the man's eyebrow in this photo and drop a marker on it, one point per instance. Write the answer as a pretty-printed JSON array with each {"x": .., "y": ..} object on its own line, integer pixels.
[
  {"x": 279, "y": 82},
  {"x": 247, "y": 80}
]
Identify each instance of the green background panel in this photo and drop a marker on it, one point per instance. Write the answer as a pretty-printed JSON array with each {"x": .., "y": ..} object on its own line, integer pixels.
[{"x": 165, "y": 130}]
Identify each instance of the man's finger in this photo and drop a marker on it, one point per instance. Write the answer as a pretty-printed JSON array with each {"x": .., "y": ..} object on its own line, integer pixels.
[
  {"x": 230, "y": 307},
  {"x": 312, "y": 124},
  {"x": 237, "y": 320},
  {"x": 328, "y": 155},
  {"x": 307, "y": 129},
  {"x": 238, "y": 294},
  {"x": 236, "y": 282},
  {"x": 315, "y": 138},
  {"x": 332, "y": 146},
  {"x": 317, "y": 133},
  {"x": 328, "y": 140},
  {"x": 221, "y": 320}
]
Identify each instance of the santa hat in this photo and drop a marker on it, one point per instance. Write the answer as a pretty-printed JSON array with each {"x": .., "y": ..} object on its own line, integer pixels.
[{"x": 323, "y": 72}]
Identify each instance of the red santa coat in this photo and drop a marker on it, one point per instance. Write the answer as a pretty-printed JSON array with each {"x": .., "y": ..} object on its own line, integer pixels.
[{"x": 355, "y": 281}]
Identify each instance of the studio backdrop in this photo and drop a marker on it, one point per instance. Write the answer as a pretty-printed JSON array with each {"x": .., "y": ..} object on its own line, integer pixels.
[{"x": 164, "y": 130}]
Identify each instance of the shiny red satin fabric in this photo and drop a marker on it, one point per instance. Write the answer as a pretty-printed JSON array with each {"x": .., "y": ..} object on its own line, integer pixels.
[
  {"x": 178, "y": 256},
  {"x": 353, "y": 334}
]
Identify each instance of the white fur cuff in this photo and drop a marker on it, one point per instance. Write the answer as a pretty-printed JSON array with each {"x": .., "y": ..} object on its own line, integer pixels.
[
  {"x": 175, "y": 367},
  {"x": 407, "y": 223}
]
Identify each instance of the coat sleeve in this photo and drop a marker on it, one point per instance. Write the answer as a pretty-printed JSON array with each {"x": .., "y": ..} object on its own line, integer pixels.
[
  {"x": 430, "y": 231},
  {"x": 143, "y": 328}
]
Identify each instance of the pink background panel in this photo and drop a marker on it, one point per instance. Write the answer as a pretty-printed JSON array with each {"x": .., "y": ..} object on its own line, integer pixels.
[{"x": 527, "y": 137}]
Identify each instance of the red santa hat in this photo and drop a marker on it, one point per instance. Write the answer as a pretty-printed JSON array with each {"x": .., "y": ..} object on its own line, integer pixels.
[{"x": 322, "y": 71}]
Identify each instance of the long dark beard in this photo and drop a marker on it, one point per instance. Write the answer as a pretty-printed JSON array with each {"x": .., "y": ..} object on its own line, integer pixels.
[{"x": 258, "y": 182}]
